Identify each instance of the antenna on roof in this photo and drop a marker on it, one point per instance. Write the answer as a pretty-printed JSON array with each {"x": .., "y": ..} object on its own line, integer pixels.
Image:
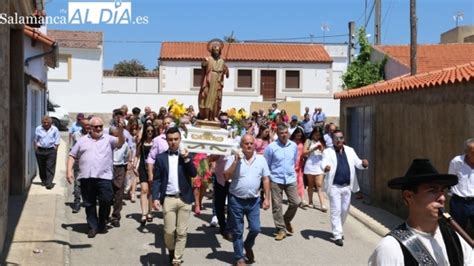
[
  {"x": 324, "y": 28},
  {"x": 458, "y": 16}
]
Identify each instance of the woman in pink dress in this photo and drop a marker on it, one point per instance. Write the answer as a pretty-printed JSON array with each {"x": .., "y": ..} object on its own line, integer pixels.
[
  {"x": 299, "y": 138},
  {"x": 263, "y": 139}
]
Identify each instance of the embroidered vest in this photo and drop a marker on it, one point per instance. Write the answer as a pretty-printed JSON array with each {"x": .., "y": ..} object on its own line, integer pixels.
[{"x": 415, "y": 253}]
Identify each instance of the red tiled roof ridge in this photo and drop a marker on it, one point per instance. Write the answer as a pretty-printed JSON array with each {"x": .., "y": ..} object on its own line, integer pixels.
[
  {"x": 425, "y": 44},
  {"x": 430, "y": 56},
  {"x": 251, "y": 52},
  {"x": 257, "y": 43},
  {"x": 453, "y": 74}
]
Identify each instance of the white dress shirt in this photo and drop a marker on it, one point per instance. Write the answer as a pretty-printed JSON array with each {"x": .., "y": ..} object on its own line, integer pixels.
[
  {"x": 173, "y": 186},
  {"x": 465, "y": 186}
]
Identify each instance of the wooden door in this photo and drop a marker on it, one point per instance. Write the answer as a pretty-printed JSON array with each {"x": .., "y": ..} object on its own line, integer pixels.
[{"x": 268, "y": 84}]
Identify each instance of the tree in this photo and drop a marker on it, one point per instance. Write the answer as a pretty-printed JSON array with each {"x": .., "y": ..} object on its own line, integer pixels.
[
  {"x": 362, "y": 71},
  {"x": 131, "y": 68}
]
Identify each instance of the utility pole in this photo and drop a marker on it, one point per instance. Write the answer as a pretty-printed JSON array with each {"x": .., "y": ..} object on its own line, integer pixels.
[
  {"x": 351, "y": 48},
  {"x": 378, "y": 22},
  {"x": 413, "y": 43}
]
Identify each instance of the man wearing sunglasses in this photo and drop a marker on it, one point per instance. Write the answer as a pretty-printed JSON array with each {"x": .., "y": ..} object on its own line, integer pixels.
[
  {"x": 339, "y": 162},
  {"x": 94, "y": 153}
]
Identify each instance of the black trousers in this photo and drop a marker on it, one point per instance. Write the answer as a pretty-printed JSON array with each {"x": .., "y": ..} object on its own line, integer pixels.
[
  {"x": 46, "y": 159},
  {"x": 220, "y": 195},
  {"x": 93, "y": 190}
]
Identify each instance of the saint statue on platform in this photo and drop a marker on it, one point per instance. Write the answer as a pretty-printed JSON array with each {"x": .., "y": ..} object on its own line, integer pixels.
[{"x": 213, "y": 71}]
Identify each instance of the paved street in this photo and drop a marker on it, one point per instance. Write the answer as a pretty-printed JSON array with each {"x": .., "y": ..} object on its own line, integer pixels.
[
  {"x": 131, "y": 244},
  {"x": 48, "y": 224}
]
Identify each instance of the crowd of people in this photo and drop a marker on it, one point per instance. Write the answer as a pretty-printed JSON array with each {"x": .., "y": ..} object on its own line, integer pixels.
[{"x": 277, "y": 154}]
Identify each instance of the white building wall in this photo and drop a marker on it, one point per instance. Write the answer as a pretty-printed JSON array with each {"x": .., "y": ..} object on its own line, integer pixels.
[
  {"x": 130, "y": 85},
  {"x": 84, "y": 87},
  {"x": 318, "y": 83},
  {"x": 35, "y": 105},
  {"x": 87, "y": 91}
]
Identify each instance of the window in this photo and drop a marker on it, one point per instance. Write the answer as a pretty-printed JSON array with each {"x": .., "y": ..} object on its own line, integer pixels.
[
  {"x": 244, "y": 78},
  {"x": 197, "y": 72},
  {"x": 292, "y": 79}
]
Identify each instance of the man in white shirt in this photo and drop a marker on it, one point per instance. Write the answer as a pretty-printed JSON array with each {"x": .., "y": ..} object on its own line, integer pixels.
[
  {"x": 423, "y": 239},
  {"x": 461, "y": 205},
  {"x": 244, "y": 199},
  {"x": 172, "y": 189}
]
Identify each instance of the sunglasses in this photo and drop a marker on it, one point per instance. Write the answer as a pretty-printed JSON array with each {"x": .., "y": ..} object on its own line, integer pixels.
[{"x": 98, "y": 126}]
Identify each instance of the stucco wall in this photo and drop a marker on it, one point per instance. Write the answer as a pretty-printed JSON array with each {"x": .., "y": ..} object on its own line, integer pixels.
[
  {"x": 457, "y": 35},
  {"x": 429, "y": 123},
  {"x": 392, "y": 68}
]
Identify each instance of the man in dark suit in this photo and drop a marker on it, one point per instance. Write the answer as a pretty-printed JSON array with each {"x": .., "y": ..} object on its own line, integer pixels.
[{"x": 172, "y": 189}]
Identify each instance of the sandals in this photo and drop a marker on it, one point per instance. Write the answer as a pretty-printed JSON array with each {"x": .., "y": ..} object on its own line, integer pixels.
[
  {"x": 143, "y": 220},
  {"x": 149, "y": 217}
]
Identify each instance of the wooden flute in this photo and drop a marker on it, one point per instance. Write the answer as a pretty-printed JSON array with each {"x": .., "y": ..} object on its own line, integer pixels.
[{"x": 456, "y": 227}]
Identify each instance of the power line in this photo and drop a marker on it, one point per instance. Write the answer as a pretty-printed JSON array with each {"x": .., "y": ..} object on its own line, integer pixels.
[
  {"x": 384, "y": 18},
  {"x": 370, "y": 15}
]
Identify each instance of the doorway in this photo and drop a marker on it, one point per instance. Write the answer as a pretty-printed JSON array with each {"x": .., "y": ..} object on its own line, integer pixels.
[{"x": 268, "y": 84}]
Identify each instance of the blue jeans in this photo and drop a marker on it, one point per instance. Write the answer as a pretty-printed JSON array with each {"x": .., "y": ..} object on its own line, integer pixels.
[
  {"x": 237, "y": 209},
  {"x": 462, "y": 211},
  {"x": 93, "y": 189}
]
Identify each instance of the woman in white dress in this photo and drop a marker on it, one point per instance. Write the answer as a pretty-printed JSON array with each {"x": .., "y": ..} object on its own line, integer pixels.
[{"x": 313, "y": 150}]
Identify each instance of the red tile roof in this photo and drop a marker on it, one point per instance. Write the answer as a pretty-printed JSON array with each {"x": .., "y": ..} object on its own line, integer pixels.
[
  {"x": 456, "y": 74},
  {"x": 48, "y": 43},
  {"x": 432, "y": 56},
  {"x": 77, "y": 39},
  {"x": 38, "y": 36},
  {"x": 256, "y": 52}
]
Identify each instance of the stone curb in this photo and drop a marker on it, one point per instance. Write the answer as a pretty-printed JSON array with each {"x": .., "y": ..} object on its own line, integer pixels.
[{"x": 368, "y": 221}]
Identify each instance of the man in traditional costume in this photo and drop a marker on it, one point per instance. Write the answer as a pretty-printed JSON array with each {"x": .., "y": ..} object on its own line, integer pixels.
[{"x": 423, "y": 239}]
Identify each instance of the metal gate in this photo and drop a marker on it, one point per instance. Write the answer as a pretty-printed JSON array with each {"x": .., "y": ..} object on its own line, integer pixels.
[{"x": 360, "y": 137}]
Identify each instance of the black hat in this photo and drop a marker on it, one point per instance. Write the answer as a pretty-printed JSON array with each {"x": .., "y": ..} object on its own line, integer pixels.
[{"x": 421, "y": 171}]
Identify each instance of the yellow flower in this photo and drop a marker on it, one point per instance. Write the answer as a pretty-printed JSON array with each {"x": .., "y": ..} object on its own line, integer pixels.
[
  {"x": 172, "y": 102},
  {"x": 231, "y": 112}
]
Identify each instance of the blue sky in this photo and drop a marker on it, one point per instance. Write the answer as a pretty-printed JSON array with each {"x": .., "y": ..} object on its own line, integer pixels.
[{"x": 295, "y": 20}]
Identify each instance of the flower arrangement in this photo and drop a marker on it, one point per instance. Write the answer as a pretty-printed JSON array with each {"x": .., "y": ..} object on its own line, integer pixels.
[
  {"x": 236, "y": 117},
  {"x": 176, "y": 109}
]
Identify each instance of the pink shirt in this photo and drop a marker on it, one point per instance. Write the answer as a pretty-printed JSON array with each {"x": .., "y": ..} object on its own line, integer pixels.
[
  {"x": 159, "y": 145},
  {"x": 95, "y": 156}
]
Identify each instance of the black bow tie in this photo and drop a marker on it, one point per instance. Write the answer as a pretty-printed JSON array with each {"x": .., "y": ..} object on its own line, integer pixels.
[{"x": 173, "y": 153}]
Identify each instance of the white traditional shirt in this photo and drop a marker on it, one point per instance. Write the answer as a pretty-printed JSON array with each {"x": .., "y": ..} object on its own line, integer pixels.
[{"x": 389, "y": 252}]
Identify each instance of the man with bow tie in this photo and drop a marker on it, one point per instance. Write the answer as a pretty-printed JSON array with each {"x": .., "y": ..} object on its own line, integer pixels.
[{"x": 172, "y": 189}]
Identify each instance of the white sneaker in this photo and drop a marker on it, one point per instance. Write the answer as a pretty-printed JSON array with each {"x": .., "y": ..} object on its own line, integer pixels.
[{"x": 214, "y": 221}]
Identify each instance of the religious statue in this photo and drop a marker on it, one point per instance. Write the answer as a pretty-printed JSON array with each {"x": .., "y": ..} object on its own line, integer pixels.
[{"x": 213, "y": 71}]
